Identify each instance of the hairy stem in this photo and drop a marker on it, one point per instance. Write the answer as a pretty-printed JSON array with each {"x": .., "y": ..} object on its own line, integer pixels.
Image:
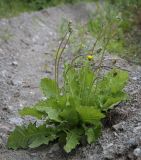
[
  {"x": 57, "y": 54},
  {"x": 59, "y": 57}
]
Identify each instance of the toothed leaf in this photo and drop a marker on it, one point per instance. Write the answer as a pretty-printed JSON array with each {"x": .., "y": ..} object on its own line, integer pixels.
[
  {"x": 72, "y": 139},
  {"x": 22, "y": 136},
  {"x": 49, "y": 87}
]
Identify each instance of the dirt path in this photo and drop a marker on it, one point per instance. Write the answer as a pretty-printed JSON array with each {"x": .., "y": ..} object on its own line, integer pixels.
[{"x": 27, "y": 43}]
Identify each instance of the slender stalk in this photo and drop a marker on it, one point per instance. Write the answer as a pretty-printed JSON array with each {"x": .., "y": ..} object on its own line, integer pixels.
[
  {"x": 99, "y": 36},
  {"x": 59, "y": 57},
  {"x": 72, "y": 62},
  {"x": 57, "y": 54}
]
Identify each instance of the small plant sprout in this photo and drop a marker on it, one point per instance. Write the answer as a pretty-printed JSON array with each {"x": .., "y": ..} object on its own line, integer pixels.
[{"x": 74, "y": 111}]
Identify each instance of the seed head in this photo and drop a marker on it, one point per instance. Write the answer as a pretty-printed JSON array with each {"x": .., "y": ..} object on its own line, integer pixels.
[{"x": 70, "y": 26}]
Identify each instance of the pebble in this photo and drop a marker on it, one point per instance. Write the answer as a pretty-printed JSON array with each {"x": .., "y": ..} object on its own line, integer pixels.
[
  {"x": 119, "y": 126},
  {"x": 10, "y": 108},
  {"x": 44, "y": 98},
  {"x": 5, "y": 128},
  {"x": 4, "y": 73},
  {"x": 15, "y": 63},
  {"x": 17, "y": 94},
  {"x": 137, "y": 129},
  {"x": 16, "y": 120},
  {"x": 135, "y": 78},
  {"x": 131, "y": 142},
  {"x": 54, "y": 148},
  {"x": 137, "y": 152},
  {"x": 16, "y": 82},
  {"x": 108, "y": 151}
]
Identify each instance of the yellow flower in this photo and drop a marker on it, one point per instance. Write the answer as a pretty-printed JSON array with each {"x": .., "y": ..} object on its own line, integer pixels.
[{"x": 90, "y": 57}]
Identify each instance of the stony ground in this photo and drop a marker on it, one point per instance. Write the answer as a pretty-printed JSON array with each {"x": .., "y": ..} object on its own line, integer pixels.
[{"x": 27, "y": 45}]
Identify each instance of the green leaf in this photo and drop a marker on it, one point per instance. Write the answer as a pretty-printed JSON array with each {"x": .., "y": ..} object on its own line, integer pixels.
[
  {"x": 72, "y": 82},
  {"x": 90, "y": 114},
  {"x": 93, "y": 133},
  {"x": 50, "y": 102},
  {"x": 23, "y": 137},
  {"x": 49, "y": 87},
  {"x": 90, "y": 135},
  {"x": 70, "y": 115},
  {"x": 110, "y": 89},
  {"x": 113, "y": 101},
  {"x": 42, "y": 140},
  {"x": 53, "y": 114},
  {"x": 27, "y": 111},
  {"x": 72, "y": 139},
  {"x": 86, "y": 79},
  {"x": 113, "y": 82}
]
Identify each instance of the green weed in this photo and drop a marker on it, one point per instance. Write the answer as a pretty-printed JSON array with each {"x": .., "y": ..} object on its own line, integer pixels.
[{"x": 73, "y": 111}]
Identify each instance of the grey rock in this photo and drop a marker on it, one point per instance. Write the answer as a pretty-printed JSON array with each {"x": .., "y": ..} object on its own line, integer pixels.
[
  {"x": 15, "y": 63},
  {"x": 135, "y": 78},
  {"x": 137, "y": 129},
  {"x": 10, "y": 108},
  {"x": 4, "y": 73},
  {"x": 137, "y": 152},
  {"x": 119, "y": 126},
  {"x": 131, "y": 142},
  {"x": 16, "y": 121},
  {"x": 18, "y": 156},
  {"x": 16, "y": 82},
  {"x": 108, "y": 151},
  {"x": 130, "y": 156},
  {"x": 5, "y": 128},
  {"x": 17, "y": 94},
  {"x": 54, "y": 148}
]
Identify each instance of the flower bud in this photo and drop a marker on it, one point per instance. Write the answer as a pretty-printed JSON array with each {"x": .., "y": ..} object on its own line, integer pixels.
[{"x": 90, "y": 57}]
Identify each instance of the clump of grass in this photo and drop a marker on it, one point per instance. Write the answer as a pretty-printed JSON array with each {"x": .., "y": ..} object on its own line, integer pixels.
[{"x": 10, "y": 8}]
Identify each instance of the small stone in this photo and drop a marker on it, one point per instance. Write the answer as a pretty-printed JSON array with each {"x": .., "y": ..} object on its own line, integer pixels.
[
  {"x": 108, "y": 151},
  {"x": 44, "y": 98},
  {"x": 35, "y": 38},
  {"x": 8, "y": 108},
  {"x": 11, "y": 108},
  {"x": 15, "y": 63},
  {"x": 4, "y": 73},
  {"x": 46, "y": 53},
  {"x": 130, "y": 155},
  {"x": 17, "y": 94},
  {"x": 32, "y": 93},
  {"x": 40, "y": 122},
  {"x": 137, "y": 152},
  {"x": 119, "y": 126},
  {"x": 131, "y": 142},
  {"x": 137, "y": 129},
  {"x": 51, "y": 33},
  {"x": 5, "y": 128},
  {"x": 54, "y": 148},
  {"x": 135, "y": 78},
  {"x": 16, "y": 82},
  {"x": 16, "y": 120}
]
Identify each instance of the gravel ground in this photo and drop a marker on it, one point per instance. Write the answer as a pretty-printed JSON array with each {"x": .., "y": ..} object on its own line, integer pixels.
[{"x": 27, "y": 43}]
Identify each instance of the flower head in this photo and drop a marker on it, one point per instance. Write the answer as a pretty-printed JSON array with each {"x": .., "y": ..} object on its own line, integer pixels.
[{"x": 90, "y": 57}]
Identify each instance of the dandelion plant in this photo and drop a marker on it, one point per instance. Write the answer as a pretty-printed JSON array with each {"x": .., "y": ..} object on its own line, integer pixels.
[{"x": 74, "y": 111}]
